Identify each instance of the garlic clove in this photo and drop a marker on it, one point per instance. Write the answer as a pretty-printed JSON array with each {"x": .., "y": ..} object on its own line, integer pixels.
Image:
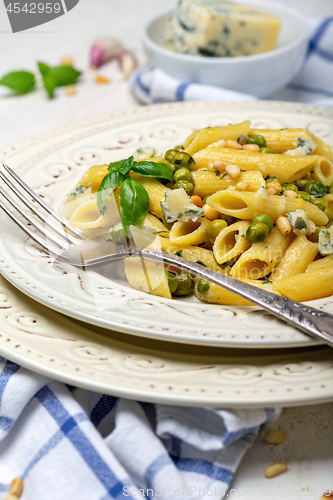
[
  {"x": 127, "y": 62},
  {"x": 103, "y": 50}
]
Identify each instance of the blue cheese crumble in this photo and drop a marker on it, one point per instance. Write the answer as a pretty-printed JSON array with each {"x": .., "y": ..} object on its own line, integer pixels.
[
  {"x": 325, "y": 241},
  {"x": 177, "y": 205},
  {"x": 299, "y": 221},
  {"x": 303, "y": 147}
]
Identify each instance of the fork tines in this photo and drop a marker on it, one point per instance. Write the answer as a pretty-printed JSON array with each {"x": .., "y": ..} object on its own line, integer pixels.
[{"x": 57, "y": 237}]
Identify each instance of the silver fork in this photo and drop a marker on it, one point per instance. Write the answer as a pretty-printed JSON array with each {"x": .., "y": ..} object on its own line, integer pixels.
[{"x": 70, "y": 246}]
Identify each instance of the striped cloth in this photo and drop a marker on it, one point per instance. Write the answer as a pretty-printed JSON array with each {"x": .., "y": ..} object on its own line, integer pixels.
[
  {"x": 67, "y": 443},
  {"x": 313, "y": 84}
]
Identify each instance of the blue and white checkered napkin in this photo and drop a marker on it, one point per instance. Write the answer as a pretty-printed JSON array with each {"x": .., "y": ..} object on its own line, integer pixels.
[
  {"x": 68, "y": 443},
  {"x": 313, "y": 84}
]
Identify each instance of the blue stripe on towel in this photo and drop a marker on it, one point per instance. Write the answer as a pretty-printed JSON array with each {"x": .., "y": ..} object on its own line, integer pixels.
[
  {"x": 320, "y": 32},
  {"x": 180, "y": 91},
  {"x": 81, "y": 443},
  {"x": 102, "y": 408}
]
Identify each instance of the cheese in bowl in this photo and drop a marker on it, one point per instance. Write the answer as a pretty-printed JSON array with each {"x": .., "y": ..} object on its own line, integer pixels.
[{"x": 218, "y": 28}]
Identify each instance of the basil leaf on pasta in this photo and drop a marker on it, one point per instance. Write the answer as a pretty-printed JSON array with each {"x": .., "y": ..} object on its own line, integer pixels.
[
  {"x": 134, "y": 204},
  {"x": 151, "y": 169},
  {"x": 110, "y": 182}
]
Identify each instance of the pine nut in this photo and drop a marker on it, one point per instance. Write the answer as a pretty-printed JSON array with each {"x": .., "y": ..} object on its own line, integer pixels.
[
  {"x": 217, "y": 144},
  {"x": 16, "y": 487},
  {"x": 70, "y": 90},
  {"x": 312, "y": 227},
  {"x": 233, "y": 171},
  {"x": 290, "y": 193},
  {"x": 252, "y": 147},
  {"x": 11, "y": 497},
  {"x": 275, "y": 469},
  {"x": 233, "y": 144},
  {"x": 210, "y": 167},
  {"x": 210, "y": 213},
  {"x": 242, "y": 186},
  {"x": 283, "y": 225},
  {"x": 67, "y": 61},
  {"x": 274, "y": 437},
  {"x": 277, "y": 185},
  {"x": 102, "y": 79},
  {"x": 271, "y": 190},
  {"x": 219, "y": 165}
]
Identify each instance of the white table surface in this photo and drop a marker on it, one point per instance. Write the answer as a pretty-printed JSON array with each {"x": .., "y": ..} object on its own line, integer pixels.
[{"x": 308, "y": 449}]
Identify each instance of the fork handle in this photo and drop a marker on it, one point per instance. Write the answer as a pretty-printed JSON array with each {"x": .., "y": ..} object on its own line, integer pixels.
[{"x": 316, "y": 323}]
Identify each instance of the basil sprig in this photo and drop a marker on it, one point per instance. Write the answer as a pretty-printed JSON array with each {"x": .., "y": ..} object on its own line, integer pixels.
[{"x": 134, "y": 199}]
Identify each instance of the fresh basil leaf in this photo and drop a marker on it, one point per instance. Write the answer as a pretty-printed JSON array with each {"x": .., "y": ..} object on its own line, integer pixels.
[
  {"x": 115, "y": 165},
  {"x": 20, "y": 81},
  {"x": 151, "y": 169},
  {"x": 64, "y": 75},
  {"x": 127, "y": 165},
  {"x": 49, "y": 83},
  {"x": 110, "y": 182},
  {"x": 134, "y": 204},
  {"x": 43, "y": 68}
]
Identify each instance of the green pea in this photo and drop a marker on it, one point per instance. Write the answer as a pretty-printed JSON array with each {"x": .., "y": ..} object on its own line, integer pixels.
[
  {"x": 320, "y": 203},
  {"x": 203, "y": 286},
  {"x": 179, "y": 159},
  {"x": 330, "y": 189},
  {"x": 204, "y": 201},
  {"x": 173, "y": 282},
  {"x": 256, "y": 139},
  {"x": 265, "y": 219},
  {"x": 257, "y": 232},
  {"x": 117, "y": 233},
  {"x": 228, "y": 218},
  {"x": 118, "y": 270},
  {"x": 182, "y": 174},
  {"x": 271, "y": 179},
  {"x": 267, "y": 151},
  {"x": 214, "y": 228},
  {"x": 290, "y": 187},
  {"x": 315, "y": 188},
  {"x": 187, "y": 186},
  {"x": 185, "y": 284},
  {"x": 305, "y": 196},
  {"x": 170, "y": 155},
  {"x": 302, "y": 183}
]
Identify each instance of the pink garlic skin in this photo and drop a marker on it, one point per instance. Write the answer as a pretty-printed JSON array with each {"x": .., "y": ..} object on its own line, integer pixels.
[{"x": 103, "y": 50}]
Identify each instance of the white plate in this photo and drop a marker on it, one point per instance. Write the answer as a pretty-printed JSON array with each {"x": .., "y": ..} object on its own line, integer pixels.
[
  {"x": 52, "y": 163},
  {"x": 161, "y": 372}
]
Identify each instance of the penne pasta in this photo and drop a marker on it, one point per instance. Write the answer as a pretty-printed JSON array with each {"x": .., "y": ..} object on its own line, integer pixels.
[
  {"x": 245, "y": 205},
  {"x": 214, "y": 294},
  {"x": 306, "y": 286},
  {"x": 190, "y": 233},
  {"x": 287, "y": 168},
  {"x": 261, "y": 258},
  {"x": 296, "y": 259},
  {"x": 200, "y": 139},
  {"x": 231, "y": 242},
  {"x": 207, "y": 183}
]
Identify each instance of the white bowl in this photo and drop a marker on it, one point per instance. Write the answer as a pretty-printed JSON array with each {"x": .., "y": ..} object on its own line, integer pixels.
[{"x": 260, "y": 75}]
